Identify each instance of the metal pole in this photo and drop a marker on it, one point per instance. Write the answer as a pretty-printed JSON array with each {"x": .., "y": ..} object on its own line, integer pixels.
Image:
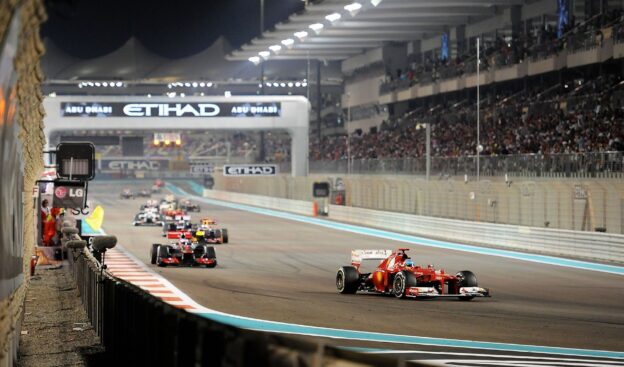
[
  {"x": 428, "y": 151},
  {"x": 478, "y": 109},
  {"x": 319, "y": 99},
  {"x": 348, "y": 137},
  {"x": 261, "y": 17},
  {"x": 308, "y": 77}
]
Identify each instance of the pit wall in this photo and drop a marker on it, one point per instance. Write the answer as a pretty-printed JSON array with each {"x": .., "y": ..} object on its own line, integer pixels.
[
  {"x": 569, "y": 204},
  {"x": 21, "y": 163}
]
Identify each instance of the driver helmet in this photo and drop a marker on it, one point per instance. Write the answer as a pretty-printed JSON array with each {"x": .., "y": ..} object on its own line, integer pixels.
[{"x": 409, "y": 263}]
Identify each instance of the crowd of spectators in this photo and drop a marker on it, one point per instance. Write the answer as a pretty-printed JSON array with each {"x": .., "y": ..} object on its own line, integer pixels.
[
  {"x": 500, "y": 51},
  {"x": 583, "y": 118}
]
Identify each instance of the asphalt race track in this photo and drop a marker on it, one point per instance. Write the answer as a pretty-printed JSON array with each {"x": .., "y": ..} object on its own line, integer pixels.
[{"x": 283, "y": 270}]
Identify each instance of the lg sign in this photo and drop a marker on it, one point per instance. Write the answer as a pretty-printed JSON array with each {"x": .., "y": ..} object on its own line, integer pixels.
[{"x": 62, "y": 191}]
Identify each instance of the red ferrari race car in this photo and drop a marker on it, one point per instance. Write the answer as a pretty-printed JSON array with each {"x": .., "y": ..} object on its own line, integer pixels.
[
  {"x": 172, "y": 214},
  {"x": 397, "y": 275},
  {"x": 183, "y": 253}
]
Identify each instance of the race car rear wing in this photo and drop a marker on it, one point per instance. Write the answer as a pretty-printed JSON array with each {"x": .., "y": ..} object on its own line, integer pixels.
[
  {"x": 174, "y": 235},
  {"x": 358, "y": 255}
]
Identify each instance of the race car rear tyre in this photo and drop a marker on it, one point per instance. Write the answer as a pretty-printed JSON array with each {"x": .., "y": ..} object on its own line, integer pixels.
[
  {"x": 402, "y": 281},
  {"x": 154, "y": 253},
  {"x": 347, "y": 280},
  {"x": 466, "y": 279},
  {"x": 224, "y": 233}
]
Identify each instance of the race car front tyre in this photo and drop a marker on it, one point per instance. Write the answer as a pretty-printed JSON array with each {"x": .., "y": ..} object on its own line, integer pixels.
[
  {"x": 154, "y": 253},
  {"x": 210, "y": 253},
  {"x": 347, "y": 280},
  {"x": 224, "y": 233},
  {"x": 402, "y": 281},
  {"x": 466, "y": 279}
]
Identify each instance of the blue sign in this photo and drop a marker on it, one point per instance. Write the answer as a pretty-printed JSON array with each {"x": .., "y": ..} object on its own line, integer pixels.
[
  {"x": 444, "y": 50},
  {"x": 562, "y": 12}
]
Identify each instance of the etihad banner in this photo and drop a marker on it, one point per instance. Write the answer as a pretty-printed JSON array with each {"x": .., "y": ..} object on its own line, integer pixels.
[
  {"x": 250, "y": 170},
  {"x": 133, "y": 164},
  {"x": 191, "y": 109}
]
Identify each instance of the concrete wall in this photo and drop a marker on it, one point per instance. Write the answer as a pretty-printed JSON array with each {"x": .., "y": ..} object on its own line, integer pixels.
[
  {"x": 573, "y": 204},
  {"x": 26, "y": 166}
]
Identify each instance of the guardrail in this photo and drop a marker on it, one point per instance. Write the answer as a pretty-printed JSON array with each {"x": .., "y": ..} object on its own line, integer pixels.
[
  {"x": 137, "y": 328},
  {"x": 586, "y": 245},
  {"x": 293, "y": 206},
  {"x": 603, "y": 165}
]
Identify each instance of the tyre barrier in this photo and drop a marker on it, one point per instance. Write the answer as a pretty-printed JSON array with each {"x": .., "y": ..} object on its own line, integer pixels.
[{"x": 137, "y": 328}]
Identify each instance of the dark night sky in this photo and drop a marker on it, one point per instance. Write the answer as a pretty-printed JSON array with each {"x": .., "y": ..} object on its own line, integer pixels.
[{"x": 172, "y": 29}]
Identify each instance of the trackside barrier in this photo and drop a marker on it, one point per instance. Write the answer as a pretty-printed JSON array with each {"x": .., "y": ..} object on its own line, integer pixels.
[
  {"x": 139, "y": 329},
  {"x": 599, "y": 246},
  {"x": 293, "y": 206},
  {"x": 586, "y": 245}
]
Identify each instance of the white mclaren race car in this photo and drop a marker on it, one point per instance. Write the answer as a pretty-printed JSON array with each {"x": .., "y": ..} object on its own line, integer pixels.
[{"x": 147, "y": 217}]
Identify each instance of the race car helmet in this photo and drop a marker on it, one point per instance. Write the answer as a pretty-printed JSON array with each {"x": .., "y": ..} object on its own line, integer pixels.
[{"x": 409, "y": 263}]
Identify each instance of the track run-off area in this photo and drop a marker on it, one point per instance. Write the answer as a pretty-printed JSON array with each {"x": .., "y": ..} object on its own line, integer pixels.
[{"x": 277, "y": 273}]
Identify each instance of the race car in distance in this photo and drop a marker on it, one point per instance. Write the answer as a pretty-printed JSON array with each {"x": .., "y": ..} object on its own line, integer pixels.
[
  {"x": 189, "y": 206},
  {"x": 144, "y": 193},
  {"x": 397, "y": 275},
  {"x": 172, "y": 214},
  {"x": 168, "y": 203},
  {"x": 147, "y": 216},
  {"x": 207, "y": 232},
  {"x": 180, "y": 226},
  {"x": 183, "y": 253},
  {"x": 159, "y": 183},
  {"x": 150, "y": 204},
  {"x": 126, "y": 194}
]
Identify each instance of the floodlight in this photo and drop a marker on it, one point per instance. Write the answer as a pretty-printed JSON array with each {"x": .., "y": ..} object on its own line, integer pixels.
[
  {"x": 301, "y": 34},
  {"x": 353, "y": 8},
  {"x": 288, "y": 42},
  {"x": 333, "y": 17},
  {"x": 316, "y": 27}
]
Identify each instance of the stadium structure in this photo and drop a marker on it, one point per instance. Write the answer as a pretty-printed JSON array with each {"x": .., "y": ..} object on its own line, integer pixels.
[{"x": 343, "y": 149}]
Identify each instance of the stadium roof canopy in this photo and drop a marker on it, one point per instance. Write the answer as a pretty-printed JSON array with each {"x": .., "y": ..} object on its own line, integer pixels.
[{"x": 339, "y": 29}]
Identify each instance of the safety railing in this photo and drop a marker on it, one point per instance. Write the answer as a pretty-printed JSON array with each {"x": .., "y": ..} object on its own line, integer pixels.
[
  {"x": 607, "y": 164},
  {"x": 139, "y": 329}
]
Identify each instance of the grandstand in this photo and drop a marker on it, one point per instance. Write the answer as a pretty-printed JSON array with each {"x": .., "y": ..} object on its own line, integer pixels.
[{"x": 550, "y": 83}]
